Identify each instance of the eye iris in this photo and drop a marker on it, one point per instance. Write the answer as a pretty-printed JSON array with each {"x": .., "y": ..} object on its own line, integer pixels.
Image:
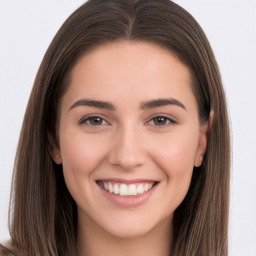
[
  {"x": 95, "y": 120},
  {"x": 160, "y": 120}
]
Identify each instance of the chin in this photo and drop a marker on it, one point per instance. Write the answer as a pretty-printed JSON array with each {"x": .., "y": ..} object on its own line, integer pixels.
[
  {"x": 129, "y": 232},
  {"x": 131, "y": 226}
]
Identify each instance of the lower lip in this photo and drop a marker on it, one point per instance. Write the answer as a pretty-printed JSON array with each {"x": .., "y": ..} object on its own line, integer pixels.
[{"x": 129, "y": 201}]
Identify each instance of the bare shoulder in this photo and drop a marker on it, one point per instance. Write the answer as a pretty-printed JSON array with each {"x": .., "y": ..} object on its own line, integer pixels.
[{"x": 6, "y": 251}]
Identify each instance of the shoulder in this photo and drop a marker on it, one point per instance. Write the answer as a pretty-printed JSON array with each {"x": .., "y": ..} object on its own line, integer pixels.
[{"x": 5, "y": 251}]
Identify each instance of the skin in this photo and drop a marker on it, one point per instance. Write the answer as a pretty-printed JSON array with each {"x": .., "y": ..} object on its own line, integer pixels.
[{"x": 129, "y": 143}]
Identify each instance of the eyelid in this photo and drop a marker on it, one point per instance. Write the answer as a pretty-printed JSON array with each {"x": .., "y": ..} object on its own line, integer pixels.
[
  {"x": 172, "y": 121},
  {"x": 85, "y": 118}
]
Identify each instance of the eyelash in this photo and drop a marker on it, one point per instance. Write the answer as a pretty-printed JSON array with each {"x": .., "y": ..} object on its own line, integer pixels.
[
  {"x": 168, "y": 121},
  {"x": 86, "y": 120}
]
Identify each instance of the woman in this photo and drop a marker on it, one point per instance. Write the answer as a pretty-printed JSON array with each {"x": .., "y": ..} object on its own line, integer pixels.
[{"x": 124, "y": 147}]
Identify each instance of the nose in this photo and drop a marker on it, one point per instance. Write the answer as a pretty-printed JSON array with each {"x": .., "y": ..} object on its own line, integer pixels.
[{"x": 127, "y": 151}]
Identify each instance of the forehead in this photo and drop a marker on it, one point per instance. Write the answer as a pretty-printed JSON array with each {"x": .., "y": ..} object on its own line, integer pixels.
[{"x": 130, "y": 70}]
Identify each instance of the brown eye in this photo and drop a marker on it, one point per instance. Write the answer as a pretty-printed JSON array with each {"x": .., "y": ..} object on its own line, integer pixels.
[
  {"x": 162, "y": 121},
  {"x": 93, "y": 121}
]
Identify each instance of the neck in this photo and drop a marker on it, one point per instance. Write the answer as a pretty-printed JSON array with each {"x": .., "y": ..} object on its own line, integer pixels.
[{"x": 97, "y": 241}]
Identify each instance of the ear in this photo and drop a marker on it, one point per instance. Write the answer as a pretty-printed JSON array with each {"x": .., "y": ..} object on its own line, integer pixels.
[
  {"x": 56, "y": 156},
  {"x": 202, "y": 143},
  {"x": 54, "y": 150}
]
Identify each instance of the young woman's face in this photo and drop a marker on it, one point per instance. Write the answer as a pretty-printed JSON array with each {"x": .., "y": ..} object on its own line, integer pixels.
[{"x": 129, "y": 137}]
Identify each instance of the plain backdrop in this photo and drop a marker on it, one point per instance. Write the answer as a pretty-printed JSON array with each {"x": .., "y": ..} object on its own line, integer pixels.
[{"x": 28, "y": 26}]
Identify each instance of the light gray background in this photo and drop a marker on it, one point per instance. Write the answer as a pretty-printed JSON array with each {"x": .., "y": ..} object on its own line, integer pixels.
[{"x": 26, "y": 29}]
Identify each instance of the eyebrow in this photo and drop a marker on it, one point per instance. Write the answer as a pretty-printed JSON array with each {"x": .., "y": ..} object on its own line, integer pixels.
[
  {"x": 161, "y": 102},
  {"x": 93, "y": 103},
  {"x": 144, "y": 105}
]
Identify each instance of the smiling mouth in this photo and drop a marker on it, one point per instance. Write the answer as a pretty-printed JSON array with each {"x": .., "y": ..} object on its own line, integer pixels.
[{"x": 122, "y": 189}]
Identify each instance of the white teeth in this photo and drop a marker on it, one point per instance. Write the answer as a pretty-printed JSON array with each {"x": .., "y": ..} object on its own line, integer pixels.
[
  {"x": 132, "y": 191},
  {"x": 110, "y": 188},
  {"x": 140, "y": 189},
  {"x": 127, "y": 190},
  {"x": 123, "y": 190},
  {"x": 116, "y": 189},
  {"x": 106, "y": 186}
]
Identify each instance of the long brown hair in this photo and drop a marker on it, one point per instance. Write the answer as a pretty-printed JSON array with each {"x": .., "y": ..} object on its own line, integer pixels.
[{"x": 43, "y": 217}]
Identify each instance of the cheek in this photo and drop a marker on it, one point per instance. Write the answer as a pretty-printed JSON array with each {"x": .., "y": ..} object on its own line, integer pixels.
[
  {"x": 176, "y": 152},
  {"x": 176, "y": 159},
  {"x": 81, "y": 155}
]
